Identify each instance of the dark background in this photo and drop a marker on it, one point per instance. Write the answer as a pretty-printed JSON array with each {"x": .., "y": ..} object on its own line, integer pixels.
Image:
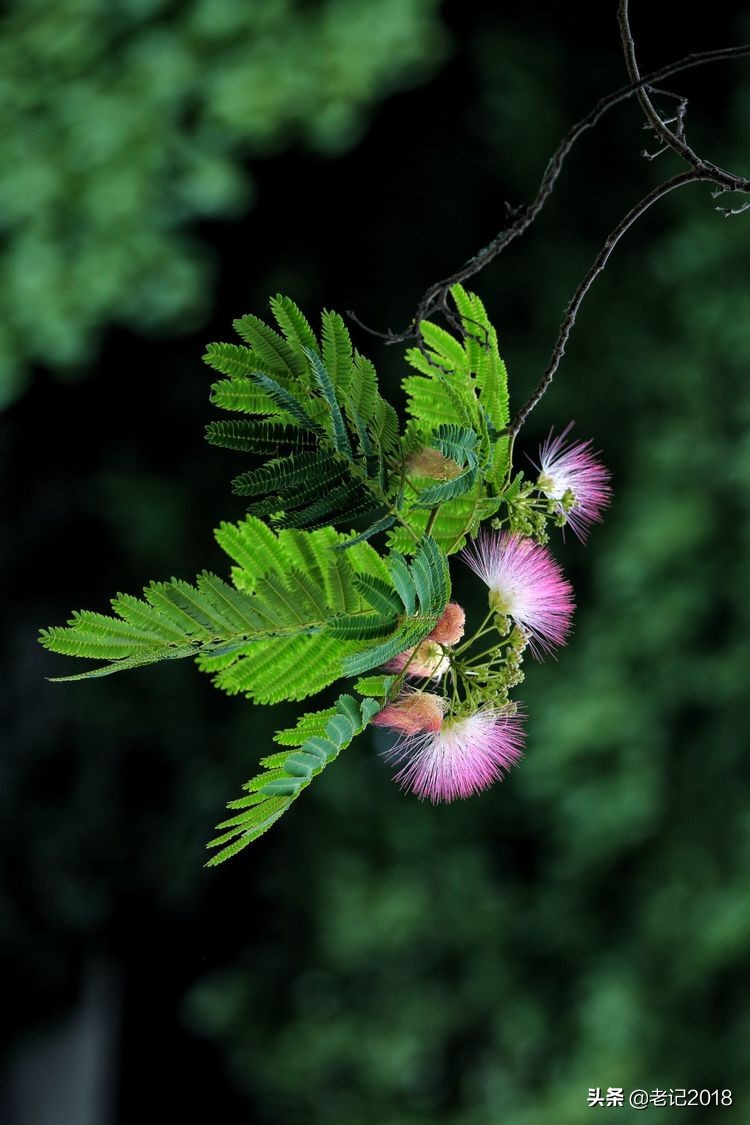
[{"x": 371, "y": 960}]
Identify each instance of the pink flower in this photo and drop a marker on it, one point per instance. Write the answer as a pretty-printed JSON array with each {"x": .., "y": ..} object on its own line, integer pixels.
[
  {"x": 450, "y": 627},
  {"x": 461, "y": 758},
  {"x": 525, "y": 583},
  {"x": 412, "y": 712},
  {"x": 574, "y": 470}
]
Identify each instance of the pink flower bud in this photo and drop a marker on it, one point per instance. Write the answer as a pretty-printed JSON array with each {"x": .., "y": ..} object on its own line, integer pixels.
[
  {"x": 450, "y": 627},
  {"x": 427, "y": 661},
  {"x": 413, "y": 713}
]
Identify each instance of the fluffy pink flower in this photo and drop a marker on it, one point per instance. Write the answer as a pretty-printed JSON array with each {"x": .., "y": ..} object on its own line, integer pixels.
[
  {"x": 463, "y": 757},
  {"x": 450, "y": 627},
  {"x": 413, "y": 712},
  {"x": 575, "y": 469},
  {"x": 525, "y": 583}
]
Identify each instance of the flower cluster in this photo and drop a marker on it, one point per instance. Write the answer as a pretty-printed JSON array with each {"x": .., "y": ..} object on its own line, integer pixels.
[{"x": 457, "y": 738}]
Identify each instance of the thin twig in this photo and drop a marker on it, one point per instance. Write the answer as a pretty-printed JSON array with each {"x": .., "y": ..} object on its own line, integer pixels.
[
  {"x": 700, "y": 170},
  {"x": 674, "y": 140},
  {"x": 596, "y": 268},
  {"x": 435, "y": 299}
]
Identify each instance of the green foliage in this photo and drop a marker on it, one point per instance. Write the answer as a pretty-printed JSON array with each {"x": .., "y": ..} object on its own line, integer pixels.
[
  {"x": 298, "y": 616},
  {"x": 424, "y": 591},
  {"x": 459, "y": 444},
  {"x": 458, "y": 404},
  {"x": 255, "y": 437},
  {"x": 173, "y": 620},
  {"x": 378, "y": 686},
  {"x": 339, "y": 452},
  {"x": 461, "y": 380},
  {"x": 297, "y": 612},
  {"x": 326, "y": 392},
  {"x": 457, "y": 519},
  {"x": 121, "y": 128},
  {"x": 320, "y": 737}
]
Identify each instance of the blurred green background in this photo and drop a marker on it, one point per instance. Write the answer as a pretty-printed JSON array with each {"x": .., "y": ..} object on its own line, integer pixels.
[{"x": 372, "y": 961}]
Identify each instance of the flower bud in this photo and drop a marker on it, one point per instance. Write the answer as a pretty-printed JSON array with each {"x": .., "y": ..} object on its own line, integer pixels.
[
  {"x": 413, "y": 713},
  {"x": 427, "y": 660},
  {"x": 450, "y": 627}
]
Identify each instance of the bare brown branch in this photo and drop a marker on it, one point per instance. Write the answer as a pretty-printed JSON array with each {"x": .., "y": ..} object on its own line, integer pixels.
[
  {"x": 436, "y": 299},
  {"x": 596, "y": 268},
  {"x": 676, "y": 140}
]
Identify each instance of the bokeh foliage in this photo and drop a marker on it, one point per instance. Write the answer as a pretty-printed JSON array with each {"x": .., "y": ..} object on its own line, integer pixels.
[
  {"x": 124, "y": 124},
  {"x": 382, "y": 962}
]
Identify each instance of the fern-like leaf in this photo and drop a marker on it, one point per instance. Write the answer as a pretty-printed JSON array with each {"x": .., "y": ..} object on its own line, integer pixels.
[
  {"x": 318, "y": 742},
  {"x": 288, "y": 474},
  {"x": 285, "y": 400},
  {"x": 270, "y": 351},
  {"x": 325, "y": 385},
  {"x": 337, "y": 350},
  {"x": 424, "y": 590},
  {"x": 326, "y": 391},
  {"x": 247, "y": 436},
  {"x": 383, "y": 524},
  {"x": 456, "y": 520},
  {"x": 293, "y": 323}
]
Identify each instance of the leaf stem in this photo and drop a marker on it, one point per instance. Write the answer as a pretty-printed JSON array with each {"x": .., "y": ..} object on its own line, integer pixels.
[
  {"x": 475, "y": 636},
  {"x": 431, "y": 520}
]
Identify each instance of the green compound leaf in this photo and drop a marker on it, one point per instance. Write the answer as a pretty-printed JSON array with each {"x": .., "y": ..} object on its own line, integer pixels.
[
  {"x": 328, "y": 392},
  {"x": 281, "y": 631},
  {"x": 293, "y": 323},
  {"x": 377, "y": 686},
  {"x": 338, "y": 430},
  {"x": 426, "y": 585},
  {"x": 456, "y": 520},
  {"x": 319, "y": 739},
  {"x": 381, "y": 525},
  {"x": 271, "y": 352},
  {"x": 245, "y": 436},
  {"x": 337, "y": 350},
  {"x": 459, "y": 444},
  {"x": 463, "y": 382}
]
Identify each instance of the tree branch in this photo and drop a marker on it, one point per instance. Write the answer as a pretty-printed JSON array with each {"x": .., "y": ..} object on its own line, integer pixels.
[
  {"x": 673, "y": 140},
  {"x": 700, "y": 170},
  {"x": 435, "y": 299},
  {"x": 596, "y": 268}
]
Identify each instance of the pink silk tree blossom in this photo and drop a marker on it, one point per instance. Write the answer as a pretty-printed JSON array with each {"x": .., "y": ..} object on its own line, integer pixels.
[
  {"x": 574, "y": 469},
  {"x": 461, "y": 758},
  {"x": 526, "y": 584}
]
